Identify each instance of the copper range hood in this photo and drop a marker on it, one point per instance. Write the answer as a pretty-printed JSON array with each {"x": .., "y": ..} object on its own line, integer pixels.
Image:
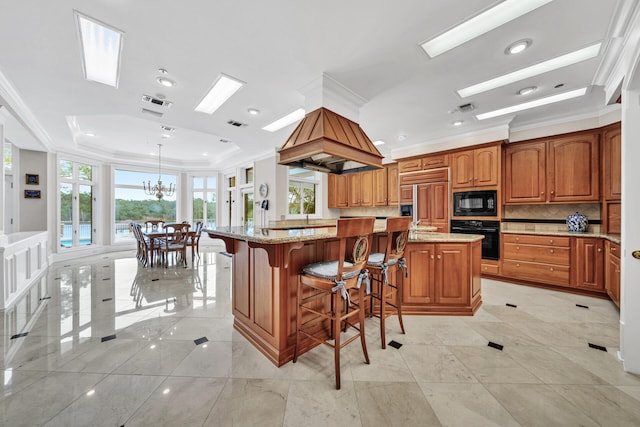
[{"x": 324, "y": 141}]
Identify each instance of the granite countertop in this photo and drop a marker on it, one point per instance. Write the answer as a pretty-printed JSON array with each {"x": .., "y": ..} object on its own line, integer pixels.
[
  {"x": 271, "y": 236},
  {"x": 612, "y": 237}
]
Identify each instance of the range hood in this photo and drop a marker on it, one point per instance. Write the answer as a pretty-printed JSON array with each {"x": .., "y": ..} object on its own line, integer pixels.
[{"x": 324, "y": 141}]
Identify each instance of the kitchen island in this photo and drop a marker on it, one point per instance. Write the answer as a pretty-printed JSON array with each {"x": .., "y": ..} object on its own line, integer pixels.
[{"x": 444, "y": 277}]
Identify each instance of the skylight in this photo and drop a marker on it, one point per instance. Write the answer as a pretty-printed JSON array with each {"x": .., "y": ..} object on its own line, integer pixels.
[
  {"x": 480, "y": 24},
  {"x": 533, "y": 70},
  {"x": 223, "y": 89},
  {"x": 532, "y": 104},
  {"x": 101, "y": 47},
  {"x": 285, "y": 121}
]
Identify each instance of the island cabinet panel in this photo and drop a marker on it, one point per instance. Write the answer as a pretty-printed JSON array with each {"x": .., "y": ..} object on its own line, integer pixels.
[
  {"x": 265, "y": 290},
  {"x": 452, "y": 274},
  {"x": 421, "y": 263},
  {"x": 241, "y": 284}
]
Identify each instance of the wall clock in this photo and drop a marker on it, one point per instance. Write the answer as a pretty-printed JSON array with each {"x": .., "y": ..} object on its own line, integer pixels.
[{"x": 264, "y": 190}]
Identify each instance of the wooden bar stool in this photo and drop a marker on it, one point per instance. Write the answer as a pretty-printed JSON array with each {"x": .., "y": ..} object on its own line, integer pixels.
[
  {"x": 383, "y": 268},
  {"x": 335, "y": 280}
]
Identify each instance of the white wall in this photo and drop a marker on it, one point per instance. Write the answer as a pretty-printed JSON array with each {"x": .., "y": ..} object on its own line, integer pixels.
[{"x": 33, "y": 212}]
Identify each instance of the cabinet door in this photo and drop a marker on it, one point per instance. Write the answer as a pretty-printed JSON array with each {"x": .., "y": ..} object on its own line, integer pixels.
[
  {"x": 392, "y": 185},
  {"x": 406, "y": 194},
  {"x": 331, "y": 191},
  {"x": 612, "y": 162},
  {"x": 355, "y": 189},
  {"x": 338, "y": 196},
  {"x": 366, "y": 190},
  {"x": 573, "y": 169},
  {"x": 452, "y": 274},
  {"x": 410, "y": 165},
  {"x": 486, "y": 166},
  {"x": 612, "y": 272},
  {"x": 589, "y": 264},
  {"x": 439, "y": 197},
  {"x": 462, "y": 169},
  {"x": 525, "y": 172},
  {"x": 380, "y": 187},
  {"x": 418, "y": 287},
  {"x": 424, "y": 200}
]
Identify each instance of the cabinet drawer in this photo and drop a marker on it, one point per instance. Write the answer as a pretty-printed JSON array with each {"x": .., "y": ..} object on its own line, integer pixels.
[
  {"x": 534, "y": 253},
  {"x": 490, "y": 269},
  {"x": 535, "y": 271},
  {"x": 536, "y": 240},
  {"x": 436, "y": 161},
  {"x": 438, "y": 175},
  {"x": 409, "y": 165}
]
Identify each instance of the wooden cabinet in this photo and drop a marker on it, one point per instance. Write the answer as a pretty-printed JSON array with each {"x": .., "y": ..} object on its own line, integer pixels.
[
  {"x": 406, "y": 194},
  {"x": 338, "y": 194},
  {"x": 539, "y": 258},
  {"x": 423, "y": 163},
  {"x": 433, "y": 205},
  {"x": 361, "y": 189},
  {"x": 612, "y": 271},
  {"x": 612, "y": 162},
  {"x": 588, "y": 263},
  {"x": 563, "y": 170},
  {"x": 392, "y": 185},
  {"x": 446, "y": 275},
  {"x": 380, "y": 187},
  {"x": 475, "y": 168}
]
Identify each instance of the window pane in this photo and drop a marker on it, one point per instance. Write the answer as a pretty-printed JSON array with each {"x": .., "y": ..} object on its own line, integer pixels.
[
  {"x": 198, "y": 206},
  {"x": 8, "y": 157},
  {"x": 232, "y": 181},
  {"x": 198, "y": 183},
  {"x": 211, "y": 210},
  {"x": 211, "y": 183},
  {"x": 133, "y": 205},
  {"x": 299, "y": 174},
  {"x": 249, "y": 175},
  {"x": 248, "y": 209},
  {"x": 66, "y": 169},
  {"x": 308, "y": 198},
  {"x": 294, "y": 198},
  {"x": 66, "y": 215},
  {"x": 85, "y": 172},
  {"x": 85, "y": 212}
]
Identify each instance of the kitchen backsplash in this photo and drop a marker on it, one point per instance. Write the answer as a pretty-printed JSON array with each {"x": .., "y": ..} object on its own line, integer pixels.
[
  {"x": 552, "y": 211},
  {"x": 385, "y": 211}
]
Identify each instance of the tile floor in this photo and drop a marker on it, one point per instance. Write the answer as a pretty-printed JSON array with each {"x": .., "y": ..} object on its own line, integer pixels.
[{"x": 111, "y": 343}]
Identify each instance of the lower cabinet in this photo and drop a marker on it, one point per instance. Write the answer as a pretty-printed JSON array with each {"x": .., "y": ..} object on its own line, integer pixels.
[
  {"x": 588, "y": 263},
  {"x": 442, "y": 278},
  {"x": 612, "y": 271},
  {"x": 543, "y": 259}
]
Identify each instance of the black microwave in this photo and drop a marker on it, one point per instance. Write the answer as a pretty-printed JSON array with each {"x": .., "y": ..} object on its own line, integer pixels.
[{"x": 475, "y": 203}]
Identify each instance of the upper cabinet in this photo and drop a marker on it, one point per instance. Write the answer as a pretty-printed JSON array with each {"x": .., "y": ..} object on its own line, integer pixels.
[
  {"x": 563, "y": 170},
  {"x": 380, "y": 188},
  {"x": 612, "y": 161},
  {"x": 392, "y": 185},
  {"x": 364, "y": 189},
  {"x": 338, "y": 194},
  {"x": 423, "y": 163},
  {"x": 475, "y": 168},
  {"x": 361, "y": 189}
]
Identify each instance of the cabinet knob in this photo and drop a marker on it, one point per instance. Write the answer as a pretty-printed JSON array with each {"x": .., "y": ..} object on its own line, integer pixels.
[
  {"x": 517, "y": 239},
  {"x": 475, "y": 179},
  {"x": 551, "y": 251},
  {"x": 517, "y": 248},
  {"x": 599, "y": 249},
  {"x": 542, "y": 193},
  {"x": 551, "y": 241},
  {"x": 552, "y": 192},
  {"x": 439, "y": 256},
  {"x": 551, "y": 269},
  {"x": 517, "y": 265},
  {"x": 470, "y": 179},
  {"x": 432, "y": 257}
]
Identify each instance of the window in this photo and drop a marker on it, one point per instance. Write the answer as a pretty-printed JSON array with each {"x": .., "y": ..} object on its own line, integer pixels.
[
  {"x": 76, "y": 204},
  {"x": 248, "y": 175},
  {"x": 303, "y": 186},
  {"x": 132, "y": 204},
  {"x": 8, "y": 157},
  {"x": 205, "y": 200}
]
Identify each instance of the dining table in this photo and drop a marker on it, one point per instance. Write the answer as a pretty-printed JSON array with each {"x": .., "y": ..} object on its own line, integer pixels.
[{"x": 156, "y": 235}]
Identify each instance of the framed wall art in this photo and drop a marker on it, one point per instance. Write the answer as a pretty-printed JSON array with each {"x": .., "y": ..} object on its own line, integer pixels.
[
  {"x": 32, "y": 179},
  {"x": 32, "y": 194}
]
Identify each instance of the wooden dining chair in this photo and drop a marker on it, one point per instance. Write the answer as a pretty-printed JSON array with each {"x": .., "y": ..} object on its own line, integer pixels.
[
  {"x": 144, "y": 249},
  {"x": 174, "y": 240},
  {"x": 153, "y": 225},
  {"x": 194, "y": 240}
]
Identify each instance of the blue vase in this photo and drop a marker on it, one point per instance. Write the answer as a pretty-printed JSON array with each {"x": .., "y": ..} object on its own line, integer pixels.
[{"x": 577, "y": 223}]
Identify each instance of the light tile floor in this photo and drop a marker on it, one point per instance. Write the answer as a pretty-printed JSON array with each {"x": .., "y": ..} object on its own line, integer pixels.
[{"x": 112, "y": 343}]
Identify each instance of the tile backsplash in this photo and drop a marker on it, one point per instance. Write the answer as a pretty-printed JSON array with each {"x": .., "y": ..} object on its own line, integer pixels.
[{"x": 552, "y": 211}]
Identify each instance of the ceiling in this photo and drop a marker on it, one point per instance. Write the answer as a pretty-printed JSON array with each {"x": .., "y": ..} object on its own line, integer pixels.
[{"x": 278, "y": 47}]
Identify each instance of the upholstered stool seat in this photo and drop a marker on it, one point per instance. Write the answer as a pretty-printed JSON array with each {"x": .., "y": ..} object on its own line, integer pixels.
[
  {"x": 324, "y": 288},
  {"x": 383, "y": 267}
]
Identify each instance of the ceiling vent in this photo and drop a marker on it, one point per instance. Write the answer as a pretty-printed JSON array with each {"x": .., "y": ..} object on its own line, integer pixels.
[
  {"x": 167, "y": 128},
  {"x": 237, "y": 124},
  {"x": 465, "y": 108},
  {"x": 225, "y": 141},
  {"x": 151, "y": 112},
  {"x": 156, "y": 101}
]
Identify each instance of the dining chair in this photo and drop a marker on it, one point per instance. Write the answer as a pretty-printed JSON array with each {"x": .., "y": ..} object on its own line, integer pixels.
[
  {"x": 153, "y": 225},
  {"x": 194, "y": 240},
  {"x": 174, "y": 240},
  {"x": 143, "y": 246}
]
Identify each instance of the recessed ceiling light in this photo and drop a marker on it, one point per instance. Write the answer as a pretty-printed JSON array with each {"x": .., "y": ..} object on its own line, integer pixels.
[
  {"x": 101, "y": 47},
  {"x": 527, "y": 90},
  {"x": 89, "y": 134},
  {"x": 285, "y": 121},
  {"x": 458, "y": 123},
  {"x": 558, "y": 86},
  {"x": 253, "y": 111},
  {"x": 532, "y": 104},
  {"x": 205, "y": 154},
  {"x": 225, "y": 141},
  {"x": 166, "y": 82},
  {"x": 162, "y": 71},
  {"x": 378, "y": 142},
  {"x": 165, "y": 136},
  {"x": 533, "y": 70},
  {"x": 517, "y": 47},
  {"x": 223, "y": 88},
  {"x": 484, "y": 22},
  {"x": 402, "y": 137},
  {"x": 167, "y": 128}
]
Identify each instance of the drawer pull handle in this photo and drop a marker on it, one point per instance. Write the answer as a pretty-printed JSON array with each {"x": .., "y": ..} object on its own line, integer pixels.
[
  {"x": 551, "y": 269},
  {"x": 517, "y": 265},
  {"x": 551, "y": 251},
  {"x": 551, "y": 241},
  {"x": 517, "y": 248},
  {"x": 439, "y": 256},
  {"x": 517, "y": 239}
]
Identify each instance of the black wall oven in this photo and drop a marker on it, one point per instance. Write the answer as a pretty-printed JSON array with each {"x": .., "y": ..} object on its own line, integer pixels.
[
  {"x": 475, "y": 203},
  {"x": 489, "y": 229}
]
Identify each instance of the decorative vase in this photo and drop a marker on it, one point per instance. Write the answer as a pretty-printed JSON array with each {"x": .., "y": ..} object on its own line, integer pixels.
[{"x": 577, "y": 223}]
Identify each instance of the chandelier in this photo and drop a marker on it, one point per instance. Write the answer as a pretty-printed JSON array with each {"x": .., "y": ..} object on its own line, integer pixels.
[{"x": 158, "y": 190}]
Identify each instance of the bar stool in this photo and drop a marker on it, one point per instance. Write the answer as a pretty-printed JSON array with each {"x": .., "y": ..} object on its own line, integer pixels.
[
  {"x": 336, "y": 279},
  {"x": 383, "y": 268}
]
